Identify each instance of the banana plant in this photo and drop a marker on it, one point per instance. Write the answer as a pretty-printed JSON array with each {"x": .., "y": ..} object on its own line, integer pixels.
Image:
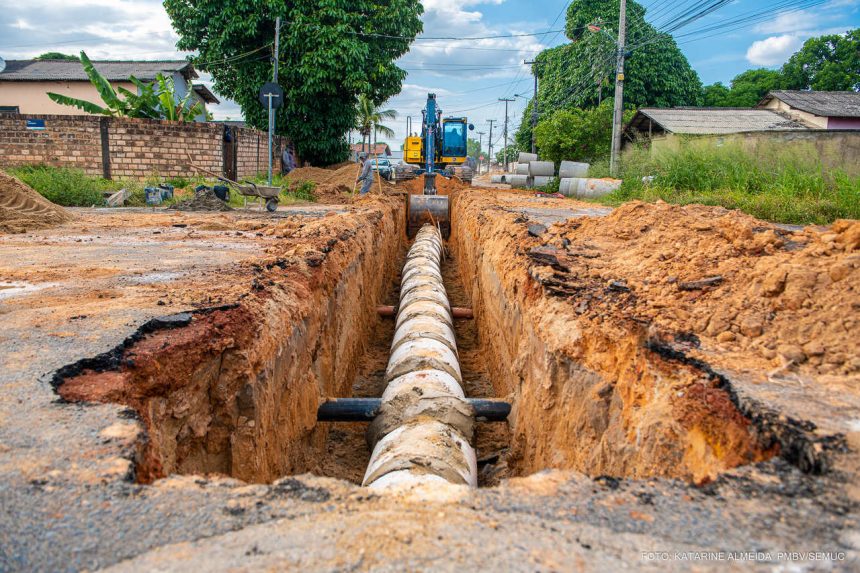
[
  {"x": 149, "y": 102},
  {"x": 171, "y": 108}
]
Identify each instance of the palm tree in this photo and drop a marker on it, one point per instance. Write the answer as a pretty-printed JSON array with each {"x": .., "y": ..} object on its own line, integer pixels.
[{"x": 369, "y": 120}]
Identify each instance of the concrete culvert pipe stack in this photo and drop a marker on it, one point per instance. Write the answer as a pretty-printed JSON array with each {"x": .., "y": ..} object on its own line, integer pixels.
[
  {"x": 573, "y": 169},
  {"x": 522, "y": 169},
  {"x": 519, "y": 181},
  {"x": 540, "y": 181},
  {"x": 541, "y": 168},
  {"x": 424, "y": 429},
  {"x": 524, "y": 157}
]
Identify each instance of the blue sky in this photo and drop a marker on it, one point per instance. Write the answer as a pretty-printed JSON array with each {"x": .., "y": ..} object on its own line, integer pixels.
[{"x": 467, "y": 76}]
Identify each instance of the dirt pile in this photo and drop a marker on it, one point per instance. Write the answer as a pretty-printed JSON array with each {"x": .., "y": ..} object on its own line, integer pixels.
[
  {"x": 343, "y": 174},
  {"x": 444, "y": 185},
  {"x": 203, "y": 200},
  {"x": 751, "y": 293},
  {"x": 22, "y": 209},
  {"x": 329, "y": 194}
]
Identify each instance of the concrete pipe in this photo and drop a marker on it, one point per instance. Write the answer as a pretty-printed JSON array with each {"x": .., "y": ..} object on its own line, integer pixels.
[
  {"x": 519, "y": 181},
  {"x": 496, "y": 179},
  {"x": 522, "y": 169},
  {"x": 539, "y": 181},
  {"x": 424, "y": 428},
  {"x": 573, "y": 169},
  {"x": 524, "y": 157},
  {"x": 541, "y": 168},
  {"x": 588, "y": 188}
]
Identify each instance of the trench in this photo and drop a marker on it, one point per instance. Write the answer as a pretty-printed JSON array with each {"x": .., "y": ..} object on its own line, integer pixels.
[{"x": 234, "y": 391}]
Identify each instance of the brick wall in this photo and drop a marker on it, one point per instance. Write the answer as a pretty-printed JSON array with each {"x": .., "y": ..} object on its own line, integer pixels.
[{"x": 136, "y": 148}]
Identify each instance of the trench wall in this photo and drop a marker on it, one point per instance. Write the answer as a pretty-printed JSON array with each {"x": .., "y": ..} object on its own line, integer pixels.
[
  {"x": 236, "y": 391},
  {"x": 587, "y": 394}
]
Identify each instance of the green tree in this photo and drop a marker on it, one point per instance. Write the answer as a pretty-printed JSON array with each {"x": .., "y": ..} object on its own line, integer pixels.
[
  {"x": 57, "y": 56},
  {"x": 747, "y": 89},
  {"x": 581, "y": 73},
  {"x": 330, "y": 53},
  {"x": 715, "y": 95},
  {"x": 826, "y": 63},
  {"x": 577, "y": 134},
  {"x": 369, "y": 120},
  {"x": 509, "y": 152},
  {"x": 474, "y": 148}
]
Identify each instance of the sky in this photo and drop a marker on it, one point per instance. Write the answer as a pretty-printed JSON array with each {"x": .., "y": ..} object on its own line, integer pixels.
[{"x": 468, "y": 77}]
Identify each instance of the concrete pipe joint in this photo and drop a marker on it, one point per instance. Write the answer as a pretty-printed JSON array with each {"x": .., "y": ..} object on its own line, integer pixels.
[{"x": 425, "y": 426}]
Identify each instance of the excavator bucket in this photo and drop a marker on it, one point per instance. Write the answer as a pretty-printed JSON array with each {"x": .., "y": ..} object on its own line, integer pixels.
[{"x": 433, "y": 209}]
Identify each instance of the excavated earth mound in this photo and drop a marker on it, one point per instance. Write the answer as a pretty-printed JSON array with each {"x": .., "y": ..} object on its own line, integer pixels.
[
  {"x": 22, "y": 209},
  {"x": 756, "y": 295}
]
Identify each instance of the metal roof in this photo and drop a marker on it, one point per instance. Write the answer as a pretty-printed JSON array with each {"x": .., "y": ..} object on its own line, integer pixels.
[
  {"x": 204, "y": 93},
  {"x": 67, "y": 70},
  {"x": 825, "y": 104},
  {"x": 711, "y": 120}
]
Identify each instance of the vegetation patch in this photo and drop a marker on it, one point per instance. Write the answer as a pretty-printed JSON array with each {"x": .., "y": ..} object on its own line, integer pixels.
[
  {"x": 63, "y": 186},
  {"x": 785, "y": 186}
]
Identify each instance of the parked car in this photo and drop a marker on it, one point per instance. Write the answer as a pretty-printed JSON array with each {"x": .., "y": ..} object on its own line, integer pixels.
[{"x": 386, "y": 170}]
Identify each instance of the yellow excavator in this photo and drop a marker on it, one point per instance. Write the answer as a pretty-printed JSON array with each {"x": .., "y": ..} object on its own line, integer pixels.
[{"x": 438, "y": 151}]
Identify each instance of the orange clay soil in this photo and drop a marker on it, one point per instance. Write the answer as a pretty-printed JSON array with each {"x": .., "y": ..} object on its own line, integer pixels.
[
  {"x": 22, "y": 209},
  {"x": 345, "y": 175},
  {"x": 236, "y": 390},
  {"x": 752, "y": 294}
]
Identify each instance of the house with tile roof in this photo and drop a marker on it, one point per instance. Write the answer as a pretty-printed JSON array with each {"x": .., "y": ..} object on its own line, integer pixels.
[
  {"x": 823, "y": 110},
  {"x": 24, "y": 84}
]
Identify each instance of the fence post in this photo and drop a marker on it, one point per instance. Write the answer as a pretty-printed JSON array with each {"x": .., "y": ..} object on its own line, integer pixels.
[{"x": 103, "y": 130}]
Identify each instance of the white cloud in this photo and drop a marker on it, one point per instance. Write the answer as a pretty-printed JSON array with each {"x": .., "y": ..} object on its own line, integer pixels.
[{"x": 774, "y": 50}]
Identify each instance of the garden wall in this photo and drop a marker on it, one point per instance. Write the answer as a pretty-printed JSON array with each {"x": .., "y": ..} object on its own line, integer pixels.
[{"x": 133, "y": 148}]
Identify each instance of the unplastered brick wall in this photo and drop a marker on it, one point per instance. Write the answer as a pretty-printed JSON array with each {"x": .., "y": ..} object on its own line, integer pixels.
[
  {"x": 131, "y": 148},
  {"x": 67, "y": 140}
]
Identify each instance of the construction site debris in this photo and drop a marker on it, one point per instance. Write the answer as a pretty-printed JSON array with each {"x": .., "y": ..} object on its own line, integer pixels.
[{"x": 203, "y": 200}]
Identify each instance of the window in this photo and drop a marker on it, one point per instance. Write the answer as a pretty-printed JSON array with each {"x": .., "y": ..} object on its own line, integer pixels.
[{"x": 454, "y": 139}]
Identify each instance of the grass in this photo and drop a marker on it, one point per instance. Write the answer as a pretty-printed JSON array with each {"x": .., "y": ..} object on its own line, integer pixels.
[
  {"x": 74, "y": 188},
  {"x": 66, "y": 187},
  {"x": 785, "y": 186}
]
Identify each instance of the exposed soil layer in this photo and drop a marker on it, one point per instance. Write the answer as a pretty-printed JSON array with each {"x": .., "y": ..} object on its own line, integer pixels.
[
  {"x": 235, "y": 390},
  {"x": 588, "y": 391},
  {"x": 739, "y": 291},
  {"x": 23, "y": 209},
  {"x": 345, "y": 175}
]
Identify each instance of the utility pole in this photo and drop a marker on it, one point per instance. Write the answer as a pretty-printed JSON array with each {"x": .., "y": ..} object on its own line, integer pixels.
[
  {"x": 506, "y": 100},
  {"x": 274, "y": 80},
  {"x": 534, "y": 103},
  {"x": 480, "y": 148},
  {"x": 618, "y": 113},
  {"x": 490, "y": 143}
]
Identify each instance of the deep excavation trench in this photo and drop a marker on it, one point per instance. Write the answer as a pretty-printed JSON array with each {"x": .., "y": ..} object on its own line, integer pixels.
[{"x": 235, "y": 390}]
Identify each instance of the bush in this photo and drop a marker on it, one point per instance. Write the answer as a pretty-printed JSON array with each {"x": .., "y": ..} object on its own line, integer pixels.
[
  {"x": 67, "y": 187},
  {"x": 785, "y": 185}
]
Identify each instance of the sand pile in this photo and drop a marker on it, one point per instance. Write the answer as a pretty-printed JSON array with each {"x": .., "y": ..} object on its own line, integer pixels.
[
  {"x": 344, "y": 175},
  {"x": 203, "y": 200},
  {"x": 328, "y": 194},
  {"x": 22, "y": 209},
  {"x": 755, "y": 294}
]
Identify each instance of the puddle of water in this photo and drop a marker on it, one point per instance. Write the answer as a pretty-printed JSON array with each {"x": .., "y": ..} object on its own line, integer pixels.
[{"x": 10, "y": 290}]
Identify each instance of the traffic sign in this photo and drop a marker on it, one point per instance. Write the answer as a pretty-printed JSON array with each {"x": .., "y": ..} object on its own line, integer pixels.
[{"x": 273, "y": 90}]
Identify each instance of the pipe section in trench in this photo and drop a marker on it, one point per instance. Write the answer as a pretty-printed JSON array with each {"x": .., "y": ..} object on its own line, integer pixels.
[{"x": 425, "y": 426}]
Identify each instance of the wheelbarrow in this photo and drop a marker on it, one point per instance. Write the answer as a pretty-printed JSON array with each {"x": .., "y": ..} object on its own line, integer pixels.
[{"x": 248, "y": 188}]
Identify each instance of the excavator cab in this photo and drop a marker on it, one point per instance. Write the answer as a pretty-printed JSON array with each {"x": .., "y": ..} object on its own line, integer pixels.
[{"x": 441, "y": 145}]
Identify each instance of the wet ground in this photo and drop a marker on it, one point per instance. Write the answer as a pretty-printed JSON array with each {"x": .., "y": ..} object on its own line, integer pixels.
[{"x": 67, "y": 470}]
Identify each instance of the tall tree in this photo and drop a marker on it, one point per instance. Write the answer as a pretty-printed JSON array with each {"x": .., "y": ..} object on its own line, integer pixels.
[
  {"x": 369, "y": 120},
  {"x": 578, "y": 74},
  {"x": 473, "y": 147},
  {"x": 747, "y": 89},
  {"x": 330, "y": 53},
  {"x": 826, "y": 63}
]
